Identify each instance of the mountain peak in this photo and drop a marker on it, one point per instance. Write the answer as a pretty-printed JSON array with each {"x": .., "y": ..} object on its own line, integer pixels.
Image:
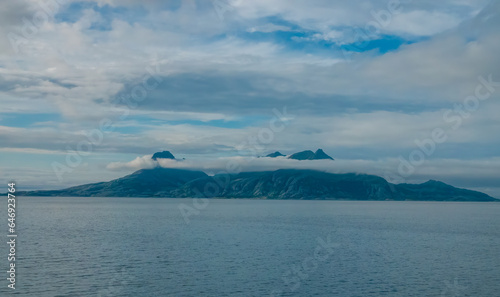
[
  {"x": 275, "y": 154},
  {"x": 304, "y": 155},
  {"x": 320, "y": 154},
  {"x": 163, "y": 155},
  {"x": 434, "y": 183},
  {"x": 310, "y": 155}
]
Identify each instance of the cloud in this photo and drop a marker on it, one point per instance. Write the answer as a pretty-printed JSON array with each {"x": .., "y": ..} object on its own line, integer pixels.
[
  {"x": 144, "y": 162},
  {"x": 267, "y": 28},
  {"x": 422, "y": 23},
  {"x": 331, "y": 36},
  {"x": 12, "y": 16},
  {"x": 416, "y": 17},
  {"x": 254, "y": 73}
]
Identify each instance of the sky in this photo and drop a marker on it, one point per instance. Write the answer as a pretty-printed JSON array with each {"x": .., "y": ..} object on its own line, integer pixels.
[{"x": 408, "y": 90}]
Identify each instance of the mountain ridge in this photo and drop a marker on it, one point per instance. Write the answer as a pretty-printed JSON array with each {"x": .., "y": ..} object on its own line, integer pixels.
[{"x": 305, "y": 184}]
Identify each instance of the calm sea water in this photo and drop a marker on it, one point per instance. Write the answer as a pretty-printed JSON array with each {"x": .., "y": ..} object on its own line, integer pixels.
[{"x": 144, "y": 247}]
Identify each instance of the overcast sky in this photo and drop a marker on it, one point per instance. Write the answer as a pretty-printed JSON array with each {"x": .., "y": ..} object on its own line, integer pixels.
[{"x": 89, "y": 90}]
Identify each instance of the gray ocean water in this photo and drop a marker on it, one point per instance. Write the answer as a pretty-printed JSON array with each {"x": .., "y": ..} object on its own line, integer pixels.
[{"x": 144, "y": 247}]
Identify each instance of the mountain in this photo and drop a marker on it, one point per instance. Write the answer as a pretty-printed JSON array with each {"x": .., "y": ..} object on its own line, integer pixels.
[
  {"x": 275, "y": 154},
  {"x": 279, "y": 184},
  {"x": 142, "y": 183},
  {"x": 163, "y": 155},
  {"x": 435, "y": 190},
  {"x": 309, "y": 155},
  {"x": 293, "y": 184},
  {"x": 304, "y": 155}
]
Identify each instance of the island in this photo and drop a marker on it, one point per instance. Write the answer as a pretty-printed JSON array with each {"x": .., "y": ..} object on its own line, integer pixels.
[{"x": 278, "y": 184}]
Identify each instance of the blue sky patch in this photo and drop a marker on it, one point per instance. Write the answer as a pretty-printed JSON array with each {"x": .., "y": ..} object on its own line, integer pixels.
[{"x": 28, "y": 120}]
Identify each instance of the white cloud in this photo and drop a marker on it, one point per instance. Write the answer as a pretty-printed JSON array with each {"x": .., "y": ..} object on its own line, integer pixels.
[
  {"x": 422, "y": 23},
  {"x": 267, "y": 28},
  {"x": 144, "y": 162}
]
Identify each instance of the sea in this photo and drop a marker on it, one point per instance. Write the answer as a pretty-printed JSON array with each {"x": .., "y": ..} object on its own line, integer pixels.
[{"x": 70, "y": 246}]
